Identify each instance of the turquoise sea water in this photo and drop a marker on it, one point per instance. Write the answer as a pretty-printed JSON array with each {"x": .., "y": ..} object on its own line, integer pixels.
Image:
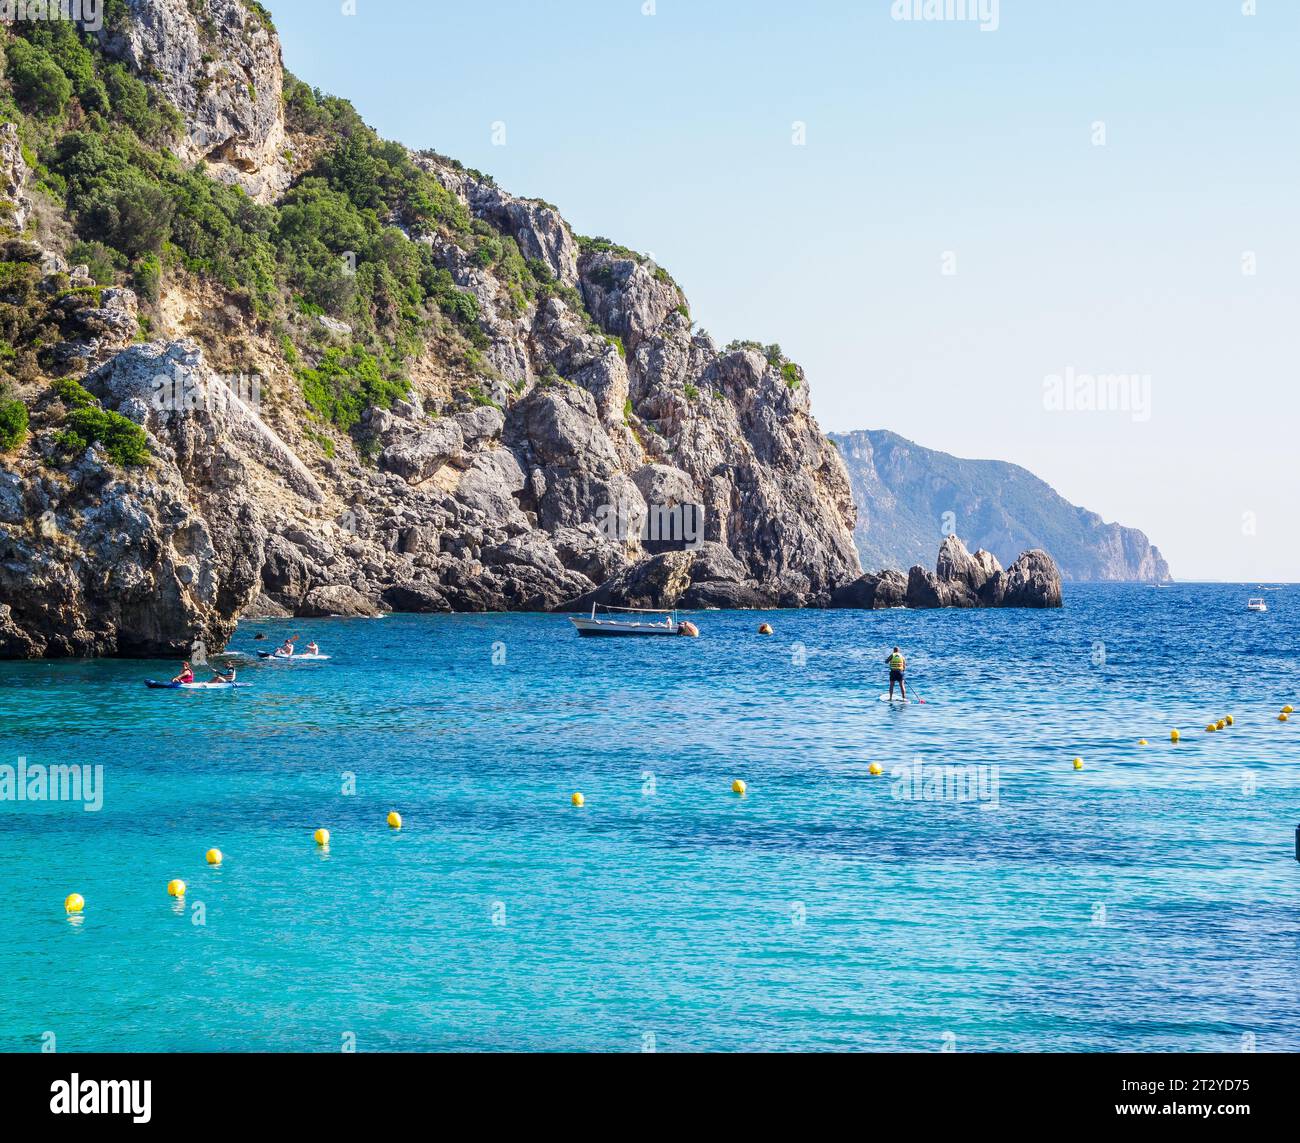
[{"x": 1147, "y": 902}]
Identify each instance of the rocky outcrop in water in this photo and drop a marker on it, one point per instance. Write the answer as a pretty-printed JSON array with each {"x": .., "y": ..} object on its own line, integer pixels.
[
  {"x": 906, "y": 494},
  {"x": 960, "y": 579}
]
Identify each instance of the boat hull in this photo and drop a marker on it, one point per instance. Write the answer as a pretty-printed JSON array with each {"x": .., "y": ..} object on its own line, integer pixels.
[{"x": 609, "y": 628}]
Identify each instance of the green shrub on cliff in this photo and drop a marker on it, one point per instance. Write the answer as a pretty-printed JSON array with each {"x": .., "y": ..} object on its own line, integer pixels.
[
  {"x": 345, "y": 383},
  {"x": 63, "y": 44},
  {"x": 147, "y": 275},
  {"x": 13, "y": 422},
  {"x": 102, "y": 261},
  {"x": 123, "y": 440},
  {"x": 74, "y": 394},
  {"x": 26, "y": 325},
  {"x": 143, "y": 203},
  {"x": 154, "y": 120},
  {"x": 38, "y": 82},
  {"x": 601, "y": 245}
]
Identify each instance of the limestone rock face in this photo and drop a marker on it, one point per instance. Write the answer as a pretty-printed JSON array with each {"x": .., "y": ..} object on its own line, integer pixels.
[
  {"x": 709, "y": 577},
  {"x": 873, "y": 592},
  {"x": 957, "y": 567},
  {"x": 339, "y": 600},
  {"x": 537, "y": 226},
  {"x": 1032, "y": 581},
  {"x": 15, "y": 206},
  {"x": 107, "y": 563},
  {"x": 626, "y": 297},
  {"x": 416, "y": 454},
  {"x": 219, "y": 63}
]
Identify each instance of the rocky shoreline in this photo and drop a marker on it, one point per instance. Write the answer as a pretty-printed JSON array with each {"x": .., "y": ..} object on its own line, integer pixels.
[{"x": 536, "y": 439}]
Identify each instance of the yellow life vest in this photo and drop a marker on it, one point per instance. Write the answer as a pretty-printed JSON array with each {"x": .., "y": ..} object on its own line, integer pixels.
[{"x": 897, "y": 662}]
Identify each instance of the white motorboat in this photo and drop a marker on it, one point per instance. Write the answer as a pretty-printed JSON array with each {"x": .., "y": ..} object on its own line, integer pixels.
[
  {"x": 629, "y": 621},
  {"x": 1256, "y": 604}
]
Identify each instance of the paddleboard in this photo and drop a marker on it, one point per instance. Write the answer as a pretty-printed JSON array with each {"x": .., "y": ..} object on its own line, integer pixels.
[{"x": 902, "y": 701}]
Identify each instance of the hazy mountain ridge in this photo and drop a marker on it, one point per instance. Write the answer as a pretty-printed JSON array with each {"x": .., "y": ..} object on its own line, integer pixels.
[{"x": 908, "y": 495}]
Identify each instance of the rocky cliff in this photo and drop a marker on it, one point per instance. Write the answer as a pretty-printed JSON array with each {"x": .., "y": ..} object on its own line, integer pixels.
[
  {"x": 906, "y": 495},
  {"x": 218, "y": 63},
  {"x": 269, "y": 364}
]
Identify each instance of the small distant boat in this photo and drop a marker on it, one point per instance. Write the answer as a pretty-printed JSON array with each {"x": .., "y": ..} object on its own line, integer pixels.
[
  {"x": 1256, "y": 604},
  {"x": 666, "y": 624}
]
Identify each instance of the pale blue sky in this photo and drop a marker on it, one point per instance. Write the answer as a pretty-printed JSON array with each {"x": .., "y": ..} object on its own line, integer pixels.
[{"x": 672, "y": 133}]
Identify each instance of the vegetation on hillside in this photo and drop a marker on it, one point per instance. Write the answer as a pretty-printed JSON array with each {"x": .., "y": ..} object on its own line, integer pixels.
[
  {"x": 86, "y": 422},
  {"x": 13, "y": 422},
  {"x": 338, "y": 245}
]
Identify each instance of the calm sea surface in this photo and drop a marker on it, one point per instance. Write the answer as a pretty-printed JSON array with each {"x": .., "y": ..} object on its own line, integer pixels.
[{"x": 1150, "y": 902}]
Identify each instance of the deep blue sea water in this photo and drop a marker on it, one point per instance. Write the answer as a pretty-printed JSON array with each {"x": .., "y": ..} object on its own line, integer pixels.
[{"x": 1150, "y": 902}]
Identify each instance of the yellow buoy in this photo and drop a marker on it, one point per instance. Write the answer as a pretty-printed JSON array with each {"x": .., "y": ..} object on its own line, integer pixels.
[
  {"x": 1283, "y": 717},
  {"x": 1211, "y": 728},
  {"x": 1174, "y": 736},
  {"x": 1288, "y": 709},
  {"x": 322, "y": 837},
  {"x": 1078, "y": 763},
  {"x": 176, "y": 888},
  {"x": 578, "y": 799},
  {"x": 394, "y": 819},
  {"x": 1142, "y": 742},
  {"x": 1221, "y": 724},
  {"x": 1228, "y": 719},
  {"x": 74, "y": 903},
  {"x": 214, "y": 857},
  {"x": 765, "y": 629},
  {"x": 738, "y": 787},
  {"x": 875, "y": 770}
]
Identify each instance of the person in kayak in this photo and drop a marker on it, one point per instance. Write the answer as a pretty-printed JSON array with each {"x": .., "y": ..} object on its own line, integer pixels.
[
  {"x": 226, "y": 676},
  {"x": 897, "y": 665},
  {"x": 186, "y": 675},
  {"x": 286, "y": 648},
  {"x": 312, "y": 649}
]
